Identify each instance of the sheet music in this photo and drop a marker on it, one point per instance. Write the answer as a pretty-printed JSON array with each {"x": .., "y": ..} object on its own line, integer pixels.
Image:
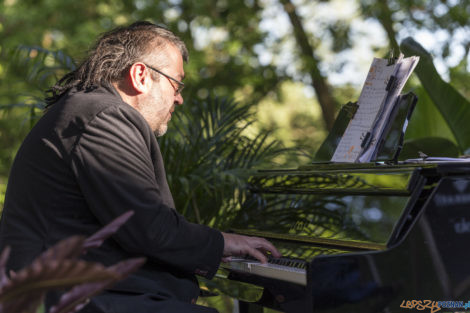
[
  {"x": 403, "y": 70},
  {"x": 372, "y": 97}
]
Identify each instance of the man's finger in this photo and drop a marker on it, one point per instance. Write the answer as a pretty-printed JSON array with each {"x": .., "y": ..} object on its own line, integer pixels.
[
  {"x": 258, "y": 255},
  {"x": 226, "y": 259},
  {"x": 267, "y": 246}
]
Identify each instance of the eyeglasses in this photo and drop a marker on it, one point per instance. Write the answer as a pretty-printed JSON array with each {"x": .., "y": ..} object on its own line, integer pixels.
[{"x": 180, "y": 83}]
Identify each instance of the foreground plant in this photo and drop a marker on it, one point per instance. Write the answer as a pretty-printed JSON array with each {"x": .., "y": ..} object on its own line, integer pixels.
[{"x": 60, "y": 268}]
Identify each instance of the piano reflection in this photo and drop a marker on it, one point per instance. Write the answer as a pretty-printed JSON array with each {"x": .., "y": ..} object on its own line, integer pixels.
[{"x": 360, "y": 237}]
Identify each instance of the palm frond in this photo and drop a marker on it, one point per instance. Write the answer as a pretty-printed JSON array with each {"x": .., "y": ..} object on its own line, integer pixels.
[
  {"x": 41, "y": 68},
  {"x": 42, "y": 64},
  {"x": 209, "y": 157}
]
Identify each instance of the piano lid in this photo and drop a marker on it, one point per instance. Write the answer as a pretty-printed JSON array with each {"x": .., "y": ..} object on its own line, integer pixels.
[{"x": 347, "y": 207}]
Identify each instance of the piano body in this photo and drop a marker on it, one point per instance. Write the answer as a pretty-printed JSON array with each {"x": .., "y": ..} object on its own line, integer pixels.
[
  {"x": 354, "y": 238},
  {"x": 384, "y": 236}
]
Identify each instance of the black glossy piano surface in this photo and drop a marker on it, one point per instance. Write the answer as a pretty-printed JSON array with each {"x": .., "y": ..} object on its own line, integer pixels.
[{"x": 371, "y": 236}]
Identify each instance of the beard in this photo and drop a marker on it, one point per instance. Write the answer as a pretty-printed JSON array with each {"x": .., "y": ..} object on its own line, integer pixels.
[
  {"x": 161, "y": 130},
  {"x": 156, "y": 110}
]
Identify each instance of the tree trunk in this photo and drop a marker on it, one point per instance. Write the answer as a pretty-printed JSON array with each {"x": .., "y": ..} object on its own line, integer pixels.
[
  {"x": 319, "y": 83},
  {"x": 384, "y": 16}
]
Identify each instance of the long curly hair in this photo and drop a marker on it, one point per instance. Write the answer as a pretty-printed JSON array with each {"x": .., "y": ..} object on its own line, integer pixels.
[{"x": 113, "y": 54}]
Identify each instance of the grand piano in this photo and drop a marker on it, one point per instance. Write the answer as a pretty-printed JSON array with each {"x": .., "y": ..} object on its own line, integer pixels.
[{"x": 359, "y": 237}]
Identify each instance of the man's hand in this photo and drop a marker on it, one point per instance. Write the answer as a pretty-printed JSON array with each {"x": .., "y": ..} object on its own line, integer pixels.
[{"x": 238, "y": 245}]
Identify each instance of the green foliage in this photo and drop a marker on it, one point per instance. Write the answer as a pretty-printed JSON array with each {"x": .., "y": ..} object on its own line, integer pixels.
[
  {"x": 3, "y": 188},
  {"x": 40, "y": 67},
  {"x": 441, "y": 113},
  {"x": 209, "y": 151},
  {"x": 227, "y": 40},
  {"x": 209, "y": 156},
  {"x": 291, "y": 109},
  {"x": 454, "y": 108},
  {"x": 14, "y": 124},
  {"x": 431, "y": 146}
]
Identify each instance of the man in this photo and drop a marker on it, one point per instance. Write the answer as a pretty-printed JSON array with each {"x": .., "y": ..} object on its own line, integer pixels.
[{"x": 94, "y": 155}]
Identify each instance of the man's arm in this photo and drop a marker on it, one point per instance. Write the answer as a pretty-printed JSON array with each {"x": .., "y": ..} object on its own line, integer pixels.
[
  {"x": 118, "y": 167},
  {"x": 113, "y": 167}
]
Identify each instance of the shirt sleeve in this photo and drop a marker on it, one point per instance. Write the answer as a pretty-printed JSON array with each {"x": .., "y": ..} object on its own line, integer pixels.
[{"x": 116, "y": 162}]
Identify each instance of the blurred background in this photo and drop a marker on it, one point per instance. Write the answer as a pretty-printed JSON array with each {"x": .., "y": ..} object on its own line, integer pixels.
[{"x": 265, "y": 79}]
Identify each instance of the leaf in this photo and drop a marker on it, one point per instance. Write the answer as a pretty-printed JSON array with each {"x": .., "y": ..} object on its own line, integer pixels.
[
  {"x": 453, "y": 106},
  {"x": 97, "y": 239},
  {"x": 426, "y": 120},
  {"x": 69, "y": 248},
  {"x": 55, "y": 268},
  {"x": 54, "y": 274},
  {"x": 216, "y": 152},
  {"x": 59, "y": 268},
  {"x": 28, "y": 287},
  {"x": 431, "y": 146},
  {"x": 76, "y": 298},
  {"x": 3, "y": 264}
]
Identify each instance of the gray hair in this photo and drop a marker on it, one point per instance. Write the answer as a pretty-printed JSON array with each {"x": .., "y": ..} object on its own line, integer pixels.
[{"x": 114, "y": 53}]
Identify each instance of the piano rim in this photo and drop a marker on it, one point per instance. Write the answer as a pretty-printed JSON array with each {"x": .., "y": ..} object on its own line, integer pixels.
[{"x": 327, "y": 242}]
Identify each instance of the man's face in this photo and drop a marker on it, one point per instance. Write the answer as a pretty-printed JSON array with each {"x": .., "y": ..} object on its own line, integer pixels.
[{"x": 162, "y": 98}]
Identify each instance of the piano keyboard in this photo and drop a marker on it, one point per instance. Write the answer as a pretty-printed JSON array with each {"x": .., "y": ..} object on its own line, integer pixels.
[{"x": 286, "y": 269}]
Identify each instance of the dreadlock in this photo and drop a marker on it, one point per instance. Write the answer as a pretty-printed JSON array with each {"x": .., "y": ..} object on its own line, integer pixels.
[{"x": 113, "y": 54}]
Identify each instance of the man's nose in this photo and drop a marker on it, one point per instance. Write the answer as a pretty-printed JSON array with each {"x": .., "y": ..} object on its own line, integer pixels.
[{"x": 179, "y": 99}]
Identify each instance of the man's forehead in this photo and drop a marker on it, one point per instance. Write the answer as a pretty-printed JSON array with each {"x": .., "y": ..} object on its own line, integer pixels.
[
  {"x": 170, "y": 55},
  {"x": 176, "y": 62}
]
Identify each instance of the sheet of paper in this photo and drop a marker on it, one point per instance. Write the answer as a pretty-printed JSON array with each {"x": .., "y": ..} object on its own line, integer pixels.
[
  {"x": 437, "y": 160},
  {"x": 403, "y": 70},
  {"x": 370, "y": 101}
]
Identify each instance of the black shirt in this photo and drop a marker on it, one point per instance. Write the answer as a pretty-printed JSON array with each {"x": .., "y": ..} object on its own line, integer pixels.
[{"x": 89, "y": 159}]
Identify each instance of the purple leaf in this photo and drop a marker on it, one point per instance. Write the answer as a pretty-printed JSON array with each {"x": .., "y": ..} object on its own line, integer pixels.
[
  {"x": 75, "y": 299},
  {"x": 97, "y": 239},
  {"x": 40, "y": 277},
  {"x": 69, "y": 248},
  {"x": 126, "y": 267},
  {"x": 59, "y": 268},
  {"x": 3, "y": 264},
  {"x": 78, "y": 297}
]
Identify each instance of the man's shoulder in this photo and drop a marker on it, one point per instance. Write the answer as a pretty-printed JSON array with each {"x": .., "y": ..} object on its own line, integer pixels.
[
  {"x": 92, "y": 102},
  {"x": 70, "y": 117},
  {"x": 78, "y": 108}
]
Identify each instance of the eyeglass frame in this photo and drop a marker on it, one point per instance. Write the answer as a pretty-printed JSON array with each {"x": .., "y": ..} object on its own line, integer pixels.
[{"x": 180, "y": 83}]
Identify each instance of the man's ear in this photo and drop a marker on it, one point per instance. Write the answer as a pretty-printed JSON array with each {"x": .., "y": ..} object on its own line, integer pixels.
[{"x": 140, "y": 78}]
